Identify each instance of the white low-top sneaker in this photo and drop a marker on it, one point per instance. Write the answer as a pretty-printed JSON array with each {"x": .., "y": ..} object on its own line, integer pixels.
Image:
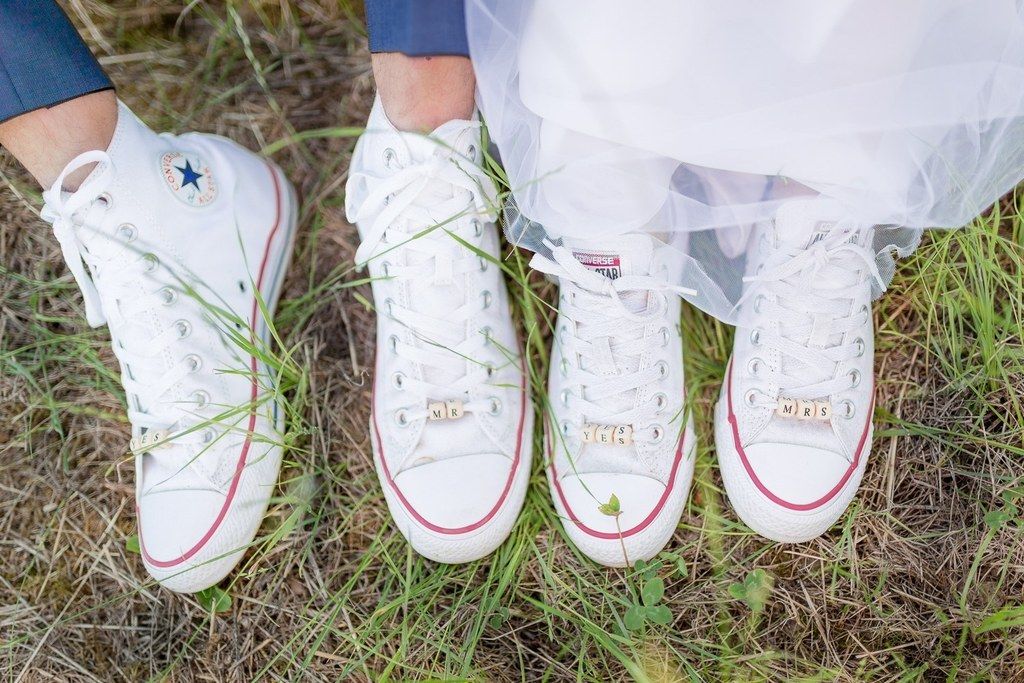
[
  {"x": 793, "y": 424},
  {"x": 452, "y": 421},
  {"x": 617, "y": 422},
  {"x": 177, "y": 235}
]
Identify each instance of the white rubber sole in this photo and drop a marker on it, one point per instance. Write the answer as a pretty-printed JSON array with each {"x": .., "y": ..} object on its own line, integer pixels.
[
  {"x": 458, "y": 548},
  {"x": 763, "y": 515},
  {"x": 628, "y": 547}
]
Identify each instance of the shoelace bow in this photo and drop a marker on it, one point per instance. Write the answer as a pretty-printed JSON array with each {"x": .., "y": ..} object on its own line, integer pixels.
[
  {"x": 809, "y": 313},
  {"x": 411, "y": 213},
  {"x": 119, "y": 295},
  {"x": 609, "y": 334}
]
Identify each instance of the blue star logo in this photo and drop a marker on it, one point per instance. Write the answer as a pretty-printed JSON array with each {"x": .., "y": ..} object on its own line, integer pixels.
[{"x": 189, "y": 176}]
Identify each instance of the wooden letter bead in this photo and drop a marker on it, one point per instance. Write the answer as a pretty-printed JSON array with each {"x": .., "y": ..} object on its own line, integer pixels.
[
  {"x": 805, "y": 410},
  {"x": 786, "y": 408},
  {"x": 604, "y": 433},
  {"x": 438, "y": 410},
  {"x": 454, "y": 409},
  {"x": 589, "y": 433},
  {"x": 823, "y": 410},
  {"x": 623, "y": 435}
]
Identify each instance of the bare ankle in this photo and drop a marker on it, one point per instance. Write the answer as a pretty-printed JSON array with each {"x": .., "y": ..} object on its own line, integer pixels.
[{"x": 421, "y": 93}]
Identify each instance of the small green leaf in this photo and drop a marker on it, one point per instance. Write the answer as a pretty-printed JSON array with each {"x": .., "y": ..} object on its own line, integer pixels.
[
  {"x": 214, "y": 599},
  {"x": 131, "y": 544},
  {"x": 997, "y": 518},
  {"x": 611, "y": 508},
  {"x": 754, "y": 590},
  {"x": 634, "y": 618},
  {"x": 653, "y": 591},
  {"x": 499, "y": 617},
  {"x": 660, "y": 615},
  {"x": 1008, "y": 617}
]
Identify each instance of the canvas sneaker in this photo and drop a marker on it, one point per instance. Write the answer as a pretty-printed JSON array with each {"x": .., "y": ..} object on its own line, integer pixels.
[
  {"x": 618, "y": 425},
  {"x": 173, "y": 240},
  {"x": 793, "y": 424},
  {"x": 451, "y": 423}
]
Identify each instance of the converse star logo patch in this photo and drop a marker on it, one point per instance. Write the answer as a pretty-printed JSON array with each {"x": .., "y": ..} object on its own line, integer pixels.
[
  {"x": 189, "y": 178},
  {"x": 609, "y": 265}
]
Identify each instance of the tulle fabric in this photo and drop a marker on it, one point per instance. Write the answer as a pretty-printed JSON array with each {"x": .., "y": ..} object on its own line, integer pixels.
[{"x": 694, "y": 120}]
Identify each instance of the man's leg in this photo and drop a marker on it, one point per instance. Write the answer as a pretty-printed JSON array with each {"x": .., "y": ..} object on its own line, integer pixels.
[
  {"x": 55, "y": 100},
  {"x": 451, "y": 414},
  {"x": 421, "y": 62}
]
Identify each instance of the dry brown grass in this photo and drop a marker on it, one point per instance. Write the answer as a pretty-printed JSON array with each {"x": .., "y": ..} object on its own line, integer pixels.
[{"x": 899, "y": 590}]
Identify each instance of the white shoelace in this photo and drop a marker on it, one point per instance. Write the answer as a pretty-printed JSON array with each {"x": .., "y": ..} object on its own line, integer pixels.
[
  {"x": 814, "y": 289},
  {"x": 405, "y": 207},
  {"x": 609, "y": 338},
  {"x": 124, "y": 297}
]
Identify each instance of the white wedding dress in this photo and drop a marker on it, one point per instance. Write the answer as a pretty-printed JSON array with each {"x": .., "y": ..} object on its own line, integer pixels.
[{"x": 695, "y": 120}]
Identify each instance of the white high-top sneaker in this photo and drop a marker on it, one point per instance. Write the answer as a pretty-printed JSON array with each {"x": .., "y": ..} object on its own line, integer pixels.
[
  {"x": 177, "y": 235},
  {"x": 452, "y": 421},
  {"x": 618, "y": 424},
  {"x": 793, "y": 424}
]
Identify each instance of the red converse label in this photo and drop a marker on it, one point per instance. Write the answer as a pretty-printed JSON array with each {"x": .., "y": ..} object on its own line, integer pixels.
[{"x": 607, "y": 264}]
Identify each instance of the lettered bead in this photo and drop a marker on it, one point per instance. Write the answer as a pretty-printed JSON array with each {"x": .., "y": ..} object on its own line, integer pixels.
[
  {"x": 623, "y": 435},
  {"x": 589, "y": 433},
  {"x": 823, "y": 410},
  {"x": 454, "y": 409},
  {"x": 604, "y": 433},
  {"x": 787, "y": 407},
  {"x": 805, "y": 409},
  {"x": 437, "y": 410}
]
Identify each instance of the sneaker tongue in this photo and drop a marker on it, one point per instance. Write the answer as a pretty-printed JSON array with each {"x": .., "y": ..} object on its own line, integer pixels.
[
  {"x": 615, "y": 258},
  {"x": 801, "y": 223}
]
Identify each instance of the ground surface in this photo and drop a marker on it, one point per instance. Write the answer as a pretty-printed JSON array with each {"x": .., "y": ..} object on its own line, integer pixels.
[{"x": 922, "y": 580}]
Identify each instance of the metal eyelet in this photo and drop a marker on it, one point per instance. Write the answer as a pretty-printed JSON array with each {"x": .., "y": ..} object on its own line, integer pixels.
[
  {"x": 487, "y": 296},
  {"x": 487, "y": 332},
  {"x": 755, "y": 336},
  {"x": 471, "y": 151},
  {"x": 107, "y": 199},
  {"x": 398, "y": 380},
  {"x": 402, "y": 417},
  {"x": 483, "y": 264},
  {"x": 664, "y": 336},
  {"x": 854, "y": 376},
  {"x": 194, "y": 362},
  {"x": 385, "y": 268},
  {"x": 201, "y": 398},
  {"x": 184, "y": 328},
  {"x": 658, "y": 433},
  {"x": 565, "y": 396},
  {"x": 563, "y": 367},
  {"x": 390, "y": 157},
  {"x": 393, "y": 343},
  {"x": 754, "y": 366},
  {"x": 566, "y": 428},
  {"x": 495, "y": 407},
  {"x": 861, "y": 346},
  {"x": 660, "y": 402},
  {"x": 846, "y": 409},
  {"x": 478, "y": 227},
  {"x": 759, "y": 302},
  {"x": 750, "y": 398},
  {"x": 128, "y": 232},
  {"x": 168, "y": 296},
  {"x": 662, "y": 368},
  {"x": 208, "y": 435},
  {"x": 151, "y": 262},
  {"x": 866, "y": 311},
  {"x": 490, "y": 370},
  {"x": 389, "y": 304}
]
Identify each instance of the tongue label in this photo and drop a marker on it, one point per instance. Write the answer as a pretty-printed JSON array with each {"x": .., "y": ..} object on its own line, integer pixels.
[
  {"x": 821, "y": 230},
  {"x": 609, "y": 265}
]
